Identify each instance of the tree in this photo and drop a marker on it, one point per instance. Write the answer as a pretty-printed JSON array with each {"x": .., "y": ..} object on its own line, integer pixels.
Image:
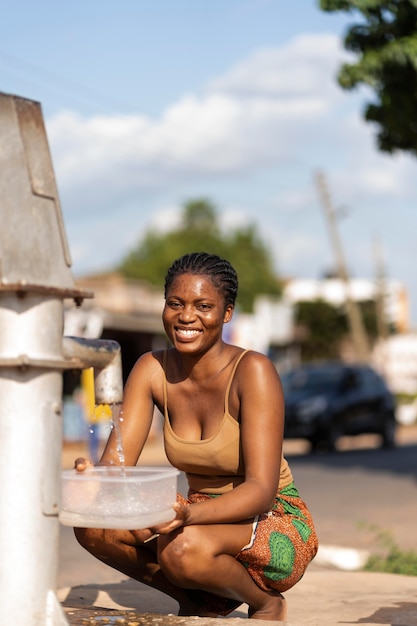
[
  {"x": 326, "y": 327},
  {"x": 199, "y": 232},
  {"x": 386, "y": 42},
  {"x": 200, "y": 215}
]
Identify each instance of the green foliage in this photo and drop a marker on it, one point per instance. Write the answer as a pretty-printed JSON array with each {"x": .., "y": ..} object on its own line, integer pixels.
[
  {"x": 200, "y": 216},
  {"x": 385, "y": 40},
  {"x": 391, "y": 559},
  {"x": 369, "y": 317},
  {"x": 406, "y": 398},
  {"x": 199, "y": 231},
  {"x": 325, "y": 326}
]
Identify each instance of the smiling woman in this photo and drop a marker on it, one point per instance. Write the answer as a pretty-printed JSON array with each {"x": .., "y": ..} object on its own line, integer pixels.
[{"x": 243, "y": 534}]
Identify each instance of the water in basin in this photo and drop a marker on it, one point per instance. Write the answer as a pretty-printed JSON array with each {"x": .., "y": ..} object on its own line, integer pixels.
[{"x": 118, "y": 497}]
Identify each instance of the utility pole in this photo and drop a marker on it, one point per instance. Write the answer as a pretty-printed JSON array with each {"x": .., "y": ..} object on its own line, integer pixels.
[
  {"x": 381, "y": 318},
  {"x": 358, "y": 333}
]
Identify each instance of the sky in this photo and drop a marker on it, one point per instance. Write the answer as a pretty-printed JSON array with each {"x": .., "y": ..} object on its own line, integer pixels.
[{"x": 151, "y": 103}]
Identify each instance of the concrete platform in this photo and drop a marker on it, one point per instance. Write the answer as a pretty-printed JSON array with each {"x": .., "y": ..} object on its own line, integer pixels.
[{"x": 322, "y": 598}]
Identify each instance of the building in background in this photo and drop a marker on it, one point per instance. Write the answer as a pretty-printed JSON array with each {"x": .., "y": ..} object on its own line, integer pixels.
[{"x": 334, "y": 291}]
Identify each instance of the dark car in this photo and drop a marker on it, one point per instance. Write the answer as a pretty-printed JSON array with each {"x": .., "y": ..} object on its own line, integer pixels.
[{"x": 325, "y": 401}]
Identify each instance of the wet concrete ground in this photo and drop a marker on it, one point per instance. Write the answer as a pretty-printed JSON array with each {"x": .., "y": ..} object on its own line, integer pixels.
[{"x": 322, "y": 598}]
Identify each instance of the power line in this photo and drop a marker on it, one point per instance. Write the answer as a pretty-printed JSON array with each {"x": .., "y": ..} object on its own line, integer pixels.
[{"x": 44, "y": 78}]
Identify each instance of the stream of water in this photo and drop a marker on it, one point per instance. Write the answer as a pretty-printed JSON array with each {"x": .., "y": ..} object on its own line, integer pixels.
[{"x": 117, "y": 421}]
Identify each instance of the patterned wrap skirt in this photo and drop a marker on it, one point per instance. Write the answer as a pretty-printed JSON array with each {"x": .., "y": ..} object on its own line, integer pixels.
[{"x": 282, "y": 545}]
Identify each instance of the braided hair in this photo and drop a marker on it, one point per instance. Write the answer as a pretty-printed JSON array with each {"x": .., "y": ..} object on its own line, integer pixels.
[{"x": 221, "y": 272}]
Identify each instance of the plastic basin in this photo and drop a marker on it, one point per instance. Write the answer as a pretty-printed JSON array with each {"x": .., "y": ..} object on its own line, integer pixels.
[{"x": 118, "y": 497}]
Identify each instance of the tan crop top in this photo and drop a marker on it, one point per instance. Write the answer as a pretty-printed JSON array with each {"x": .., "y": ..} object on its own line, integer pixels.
[{"x": 214, "y": 465}]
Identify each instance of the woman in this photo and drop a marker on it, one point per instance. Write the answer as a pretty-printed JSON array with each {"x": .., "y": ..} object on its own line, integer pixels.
[{"x": 243, "y": 535}]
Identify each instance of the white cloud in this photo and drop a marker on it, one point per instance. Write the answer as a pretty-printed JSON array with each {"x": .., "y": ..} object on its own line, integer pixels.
[
  {"x": 289, "y": 72},
  {"x": 250, "y": 141},
  {"x": 218, "y": 133}
]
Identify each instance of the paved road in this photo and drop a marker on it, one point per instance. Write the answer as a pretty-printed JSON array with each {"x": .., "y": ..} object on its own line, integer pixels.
[
  {"x": 360, "y": 484},
  {"x": 355, "y": 487}
]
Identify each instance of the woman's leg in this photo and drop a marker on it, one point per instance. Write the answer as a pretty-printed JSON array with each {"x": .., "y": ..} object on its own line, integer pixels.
[
  {"x": 203, "y": 557},
  {"x": 125, "y": 551}
]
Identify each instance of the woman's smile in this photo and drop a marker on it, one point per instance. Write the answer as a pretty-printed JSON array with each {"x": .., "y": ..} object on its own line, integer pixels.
[{"x": 187, "y": 333}]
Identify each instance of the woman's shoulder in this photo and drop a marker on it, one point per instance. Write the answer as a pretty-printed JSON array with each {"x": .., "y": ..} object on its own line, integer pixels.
[
  {"x": 151, "y": 361},
  {"x": 254, "y": 358},
  {"x": 254, "y": 363},
  {"x": 147, "y": 371}
]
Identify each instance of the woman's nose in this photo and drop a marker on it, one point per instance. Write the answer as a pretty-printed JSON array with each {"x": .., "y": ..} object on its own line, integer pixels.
[{"x": 187, "y": 313}]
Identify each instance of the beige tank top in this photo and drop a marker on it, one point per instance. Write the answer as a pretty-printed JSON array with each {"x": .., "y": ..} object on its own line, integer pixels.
[{"x": 214, "y": 465}]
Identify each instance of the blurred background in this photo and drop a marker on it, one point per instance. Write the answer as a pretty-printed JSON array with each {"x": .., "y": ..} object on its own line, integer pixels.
[{"x": 256, "y": 129}]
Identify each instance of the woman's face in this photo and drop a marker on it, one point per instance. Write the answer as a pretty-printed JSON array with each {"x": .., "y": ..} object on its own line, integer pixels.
[{"x": 194, "y": 313}]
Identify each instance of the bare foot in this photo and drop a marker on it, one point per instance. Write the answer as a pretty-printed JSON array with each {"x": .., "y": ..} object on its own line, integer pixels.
[{"x": 274, "y": 609}]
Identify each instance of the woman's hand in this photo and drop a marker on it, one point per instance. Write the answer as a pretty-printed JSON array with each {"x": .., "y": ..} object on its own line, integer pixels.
[
  {"x": 181, "y": 518},
  {"x": 81, "y": 464}
]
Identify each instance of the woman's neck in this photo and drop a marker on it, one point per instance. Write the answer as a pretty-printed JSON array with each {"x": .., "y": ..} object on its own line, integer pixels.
[{"x": 200, "y": 368}]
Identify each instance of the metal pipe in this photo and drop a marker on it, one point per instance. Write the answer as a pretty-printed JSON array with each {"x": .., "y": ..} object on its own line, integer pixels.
[
  {"x": 104, "y": 355},
  {"x": 30, "y": 463}
]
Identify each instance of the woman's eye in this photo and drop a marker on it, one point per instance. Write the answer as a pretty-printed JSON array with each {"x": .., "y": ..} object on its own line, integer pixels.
[{"x": 174, "y": 305}]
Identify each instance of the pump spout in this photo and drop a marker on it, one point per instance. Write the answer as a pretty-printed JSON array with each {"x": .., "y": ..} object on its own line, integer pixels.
[{"x": 104, "y": 355}]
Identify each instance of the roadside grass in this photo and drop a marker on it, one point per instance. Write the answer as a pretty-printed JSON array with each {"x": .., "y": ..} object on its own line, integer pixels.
[{"x": 390, "y": 558}]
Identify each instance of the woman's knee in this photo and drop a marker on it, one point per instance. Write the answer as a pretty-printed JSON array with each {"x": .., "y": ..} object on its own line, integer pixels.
[{"x": 180, "y": 553}]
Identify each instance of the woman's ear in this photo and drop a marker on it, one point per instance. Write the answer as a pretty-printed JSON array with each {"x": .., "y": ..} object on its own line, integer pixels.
[{"x": 228, "y": 314}]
